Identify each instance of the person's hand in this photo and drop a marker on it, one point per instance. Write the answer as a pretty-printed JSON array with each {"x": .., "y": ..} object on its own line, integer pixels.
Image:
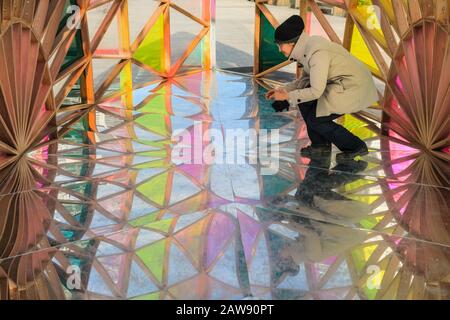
[
  {"x": 270, "y": 94},
  {"x": 280, "y": 95}
]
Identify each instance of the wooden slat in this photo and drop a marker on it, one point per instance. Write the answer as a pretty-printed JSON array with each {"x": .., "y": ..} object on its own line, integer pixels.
[
  {"x": 324, "y": 22},
  {"x": 189, "y": 50},
  {"x": 348, "y": 33},
  {"x": 274, "y": 68},
  {"x": 414, "y": 10},
  {"x": 189, "y": 15},
  {"x": 257, "y": 40},
  {"x": 95, "y": 42},
  {"x": 401, "y": 16}
]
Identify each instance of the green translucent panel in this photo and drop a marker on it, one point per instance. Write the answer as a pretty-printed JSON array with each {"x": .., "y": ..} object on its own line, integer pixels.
[
  {"x": 161, "y": 225},
  {"x": 273, "y": 123},
  {"x": 269, "y": 55},
  {"x": 151, "y": 296},
  {"x": 75, "y": 51},
  {"x": 151, "y": 50},
  {"x": 154, "y": 122},
  {"x": 83, "y": 187},
  {"x": 157, "y": 104},
  {"x": 78, "y": 135},
  {"x": 361, "y": 255},
  {"x": 274, "y": 185},
  {"x": 153, "y": 258},
  {"x": 74, "y": 96},
  {"x": 155, "y": 188},
  {"x": 144, "y": 220},
  {"x": 154, "y": 153},
  {"x": 371, "y": 222},
  {"x": 152, "y": 164},
  {"x": 77, "y": 169}
]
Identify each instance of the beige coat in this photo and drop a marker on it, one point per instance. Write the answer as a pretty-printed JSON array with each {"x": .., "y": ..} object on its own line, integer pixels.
[{"x": 341, "y": 83}]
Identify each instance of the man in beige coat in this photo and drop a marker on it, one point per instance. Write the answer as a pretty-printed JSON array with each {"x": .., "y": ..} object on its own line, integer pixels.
[{"x": 333, "y": 83}]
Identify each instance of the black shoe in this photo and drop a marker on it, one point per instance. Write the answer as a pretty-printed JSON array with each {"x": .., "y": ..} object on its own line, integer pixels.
[
  {"x": 351, "y": 166},
  {"x": 318, "y": 150},
  {"x": 348, "y": 156}
]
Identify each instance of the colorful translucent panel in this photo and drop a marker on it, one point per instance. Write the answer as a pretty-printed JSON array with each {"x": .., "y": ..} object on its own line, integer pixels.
[
  {"x": 151, "y": 50},
  {"x": 360, "y": 50},
  {"x": 269, "y": 54}
]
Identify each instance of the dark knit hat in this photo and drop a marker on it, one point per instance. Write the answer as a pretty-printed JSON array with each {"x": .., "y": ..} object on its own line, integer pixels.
[{"x": 290, "y": 30}]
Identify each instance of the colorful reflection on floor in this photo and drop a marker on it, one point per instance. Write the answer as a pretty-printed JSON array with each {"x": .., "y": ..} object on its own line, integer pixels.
[{"x": 106, "y": 213}]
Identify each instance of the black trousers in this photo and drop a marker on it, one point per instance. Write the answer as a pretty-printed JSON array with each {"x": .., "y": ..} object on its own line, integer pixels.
[{"x": 324, "y": 131}]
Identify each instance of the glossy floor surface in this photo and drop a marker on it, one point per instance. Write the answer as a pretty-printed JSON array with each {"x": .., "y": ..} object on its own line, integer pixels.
[{"x": 151, "y": 203}]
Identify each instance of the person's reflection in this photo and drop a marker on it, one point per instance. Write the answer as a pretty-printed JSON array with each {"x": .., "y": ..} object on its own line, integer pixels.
[
  {"x": 319, "y": 180},
  {"x": 320, "y": 207},
  {"x": 316, "y": 242}
]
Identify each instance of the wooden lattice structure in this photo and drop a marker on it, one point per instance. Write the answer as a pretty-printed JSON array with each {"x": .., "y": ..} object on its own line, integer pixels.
[
  {"x": 54, "y": 55},
  {"x": 60, "y": 60}
]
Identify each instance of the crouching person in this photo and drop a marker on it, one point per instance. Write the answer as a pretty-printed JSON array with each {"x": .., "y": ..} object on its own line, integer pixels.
[{"x": 333, "y": 83}]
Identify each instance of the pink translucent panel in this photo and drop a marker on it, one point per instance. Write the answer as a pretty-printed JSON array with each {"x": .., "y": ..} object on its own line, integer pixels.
[
  {"x": 249, "y": 230},
  {"x": 400, "y": 167},
  {"x": 399, "y": 84},
  {"x": 220, "y": 231}
]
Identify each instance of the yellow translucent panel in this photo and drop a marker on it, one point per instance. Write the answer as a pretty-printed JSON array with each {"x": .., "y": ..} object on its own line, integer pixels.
[
  {"x": 387, "y": 6},
  {"x": 361, "y": 254},
  {"x": 359, "y": 49},
  {"x": 369, "y": 16},
  {"x": 363, "y": 198},
  {"x": 357, "y": 127}
]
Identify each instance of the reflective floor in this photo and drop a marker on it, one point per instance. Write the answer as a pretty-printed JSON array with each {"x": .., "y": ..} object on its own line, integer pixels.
[{"x": 144, "y": 204}]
